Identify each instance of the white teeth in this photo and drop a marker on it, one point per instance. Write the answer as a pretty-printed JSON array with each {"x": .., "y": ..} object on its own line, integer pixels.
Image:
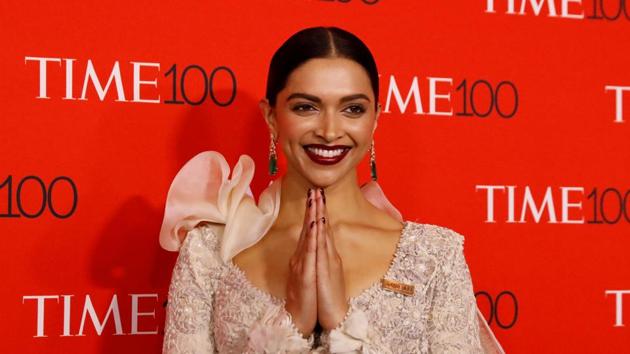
[{"x": 325, "y": 153}]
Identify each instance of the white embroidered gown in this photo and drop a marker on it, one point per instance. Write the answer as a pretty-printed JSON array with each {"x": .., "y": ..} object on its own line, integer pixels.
[{"x": 213, "y": 308}]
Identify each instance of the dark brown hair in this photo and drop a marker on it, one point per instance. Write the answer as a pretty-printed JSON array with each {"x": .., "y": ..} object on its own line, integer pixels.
[{"x": 318, "y": 42}]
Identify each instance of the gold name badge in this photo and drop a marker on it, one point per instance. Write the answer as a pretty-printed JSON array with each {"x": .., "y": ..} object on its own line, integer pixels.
[{"x": 397, "y": 287}]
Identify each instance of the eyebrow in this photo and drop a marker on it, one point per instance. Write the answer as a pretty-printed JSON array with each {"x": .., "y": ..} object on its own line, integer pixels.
[{"x": 318, "y": 100}]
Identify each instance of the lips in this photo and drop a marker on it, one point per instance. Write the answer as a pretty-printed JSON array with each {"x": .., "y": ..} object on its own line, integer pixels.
[{"x": 326, "y": 155}]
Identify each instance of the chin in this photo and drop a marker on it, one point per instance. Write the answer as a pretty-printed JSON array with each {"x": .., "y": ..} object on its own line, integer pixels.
[
  {"x": 323, "y": 178},
  {"x": 322, "y": 175}
]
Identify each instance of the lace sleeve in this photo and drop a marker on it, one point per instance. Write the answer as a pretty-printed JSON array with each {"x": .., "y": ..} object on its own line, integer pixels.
[
  {"x": 189, "y": 320},
  {"x": 453, "y": 326},
  {"x": 353, "y": 335},
  {"x": 188, "y": 326}
]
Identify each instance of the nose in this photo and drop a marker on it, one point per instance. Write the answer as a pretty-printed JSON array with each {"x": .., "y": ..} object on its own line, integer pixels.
[{"x": 329, "y": 126}]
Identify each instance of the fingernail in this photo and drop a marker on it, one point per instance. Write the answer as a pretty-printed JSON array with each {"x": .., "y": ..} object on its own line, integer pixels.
[
  {"x": 312, "y": 224},
  {"x": 323, "y": 220},
  {"x": 323, "y": 196},
  {"x": 310, "y": 201},
  {"x": 308, "y": 194}
]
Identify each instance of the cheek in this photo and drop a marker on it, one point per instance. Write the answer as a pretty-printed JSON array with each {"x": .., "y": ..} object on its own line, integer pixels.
[
  {"x": 361, "y": 132},
  {"x": 292, "y": 128},
  {"x": 291, "y": 134}
]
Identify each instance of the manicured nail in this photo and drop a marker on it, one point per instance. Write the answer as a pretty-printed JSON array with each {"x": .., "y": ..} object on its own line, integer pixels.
[
  {"x": 312, "y": 224},
  {"x": 310, "y": 201},
  {"x": 323, "y": 195},
  {"x": 308, "y": 194},
  {"x": 323, "y": 220}
]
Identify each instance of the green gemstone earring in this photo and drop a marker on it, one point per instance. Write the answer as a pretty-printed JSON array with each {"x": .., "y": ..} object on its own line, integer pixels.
[
  {"x": 273, "y": 157},
  {"x": 372, "y": 161}
]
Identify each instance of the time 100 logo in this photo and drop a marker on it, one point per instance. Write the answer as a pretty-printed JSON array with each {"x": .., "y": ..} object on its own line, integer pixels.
[{"x": 191, "y": 84}]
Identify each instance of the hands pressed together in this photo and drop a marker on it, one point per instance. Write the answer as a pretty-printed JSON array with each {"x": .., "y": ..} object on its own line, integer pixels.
[{"x": 315, "y": 287}]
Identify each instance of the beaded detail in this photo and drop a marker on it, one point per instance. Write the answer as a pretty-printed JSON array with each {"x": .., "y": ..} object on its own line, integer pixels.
[{"x": 213, "y": 308}]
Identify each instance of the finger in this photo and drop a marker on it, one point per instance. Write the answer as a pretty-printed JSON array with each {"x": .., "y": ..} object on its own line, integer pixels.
[
  {"x": 312, "y": 227},
  {"x": 334, "y": 259},
  {"x": 310, "y": 246},
  {"x": 331, "y": 250},
  {"x": 307, "y": 221},
  {"x": 327, "y": 230},
  {"x": 322, "y": 253}
]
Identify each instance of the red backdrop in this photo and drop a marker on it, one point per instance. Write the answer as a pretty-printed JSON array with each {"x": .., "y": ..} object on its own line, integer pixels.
[{"x": 506, "y": 121}]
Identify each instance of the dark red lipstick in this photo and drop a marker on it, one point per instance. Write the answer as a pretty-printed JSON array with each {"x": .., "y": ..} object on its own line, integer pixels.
[{"x": 326, "y": 154}]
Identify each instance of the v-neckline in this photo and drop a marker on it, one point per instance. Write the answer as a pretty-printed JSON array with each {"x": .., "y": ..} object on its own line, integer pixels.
[{"x": 375, "y": 285}]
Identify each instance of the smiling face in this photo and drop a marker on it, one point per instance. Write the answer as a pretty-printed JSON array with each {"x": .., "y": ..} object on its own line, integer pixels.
[{"x": 324, "y": 119}]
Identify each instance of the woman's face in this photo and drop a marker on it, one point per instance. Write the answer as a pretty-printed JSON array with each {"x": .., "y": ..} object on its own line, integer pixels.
[{"x": 324, "y": 119}]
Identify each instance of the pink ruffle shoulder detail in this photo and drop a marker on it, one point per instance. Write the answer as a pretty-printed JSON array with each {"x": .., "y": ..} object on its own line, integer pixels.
[{"x": 204, "y": 191}]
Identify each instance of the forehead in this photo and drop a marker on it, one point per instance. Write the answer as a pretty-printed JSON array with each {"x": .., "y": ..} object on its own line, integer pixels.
[{"x": 329, "y": 77}]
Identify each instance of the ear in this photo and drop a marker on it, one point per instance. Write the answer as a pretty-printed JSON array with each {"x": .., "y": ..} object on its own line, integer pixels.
[
  {"x": 378, "y": 114},
  {"x": 269, "y": 115}
]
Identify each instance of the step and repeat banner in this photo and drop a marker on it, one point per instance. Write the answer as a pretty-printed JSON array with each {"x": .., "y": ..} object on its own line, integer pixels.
[{"x": 505, "y": 120}]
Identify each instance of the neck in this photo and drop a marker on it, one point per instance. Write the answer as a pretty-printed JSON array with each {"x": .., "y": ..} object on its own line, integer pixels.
[{"x": 344, "y": 200}]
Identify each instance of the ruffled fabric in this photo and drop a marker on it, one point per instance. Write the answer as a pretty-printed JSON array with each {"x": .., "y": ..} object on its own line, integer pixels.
[
  {"x": 352, "y": 335},
  {"x": 275, "y": 333},
  {"x": 203, "y": 191}
]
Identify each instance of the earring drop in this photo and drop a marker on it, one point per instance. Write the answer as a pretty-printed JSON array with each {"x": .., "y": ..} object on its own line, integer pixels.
[
  {"x": 273, "y": 157},
  {"x": 372, "y": 161}
]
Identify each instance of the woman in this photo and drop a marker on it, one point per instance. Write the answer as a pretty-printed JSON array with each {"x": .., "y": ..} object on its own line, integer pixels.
[{"x": 320, "y": 264}]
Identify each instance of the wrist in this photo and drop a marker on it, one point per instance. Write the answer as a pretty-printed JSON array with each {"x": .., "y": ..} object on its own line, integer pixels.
[
  {"x": 342, "y": 315},
  {"x": 304, "y": 330},
  {"x": 305, "y": 333}
]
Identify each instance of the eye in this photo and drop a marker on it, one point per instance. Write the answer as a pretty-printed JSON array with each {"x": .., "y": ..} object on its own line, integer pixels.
[
  {"x": 303, "y": 108},
  {"x": 356, "y": 109}
]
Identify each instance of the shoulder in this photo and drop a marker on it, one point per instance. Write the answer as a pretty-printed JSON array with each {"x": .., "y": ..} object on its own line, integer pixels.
[
  {"x": 440, "y": 242},
  {"x": 203, "y": 234},
  {"x": 436, "y": 237}
]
